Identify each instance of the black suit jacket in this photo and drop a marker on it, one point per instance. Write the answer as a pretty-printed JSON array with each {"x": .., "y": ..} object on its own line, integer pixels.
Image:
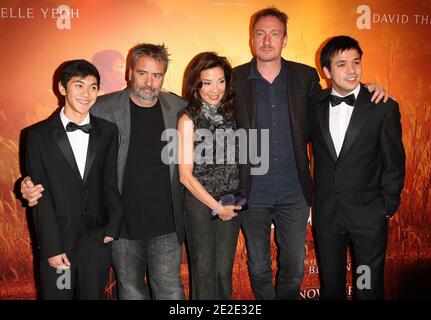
[
  {"x": 72, "y": 206},
  {"x": 367, "y": 177},
  {"x": 302, "y": 83}
]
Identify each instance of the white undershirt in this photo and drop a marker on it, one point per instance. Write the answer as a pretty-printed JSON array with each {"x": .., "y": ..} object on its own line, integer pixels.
[
  {"x": 78, "y": 141},
  {"x": 339, "y": 118}
]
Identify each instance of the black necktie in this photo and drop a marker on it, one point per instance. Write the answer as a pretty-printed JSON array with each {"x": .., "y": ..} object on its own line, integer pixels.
[
  {"x": 73, "y": 126},
  {"x": 336, "y": 100}
]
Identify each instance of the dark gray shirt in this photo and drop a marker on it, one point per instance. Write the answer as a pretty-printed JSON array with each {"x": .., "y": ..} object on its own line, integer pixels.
[{"x": 281, "y": 184}]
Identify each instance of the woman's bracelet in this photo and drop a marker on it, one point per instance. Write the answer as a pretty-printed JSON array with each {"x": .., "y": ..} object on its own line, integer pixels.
[{"x": 216, "y": 210}]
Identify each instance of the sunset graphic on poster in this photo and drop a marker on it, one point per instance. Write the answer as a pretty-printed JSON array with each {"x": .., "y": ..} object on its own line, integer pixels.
[{"x": 394, "y": 35}]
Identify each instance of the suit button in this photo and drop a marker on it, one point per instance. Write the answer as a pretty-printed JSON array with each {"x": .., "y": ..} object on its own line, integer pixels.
[
  {"x": 337, "y": 191},
  {"x": 339, "y": 169},
  {"x": 85, "y": 212}
]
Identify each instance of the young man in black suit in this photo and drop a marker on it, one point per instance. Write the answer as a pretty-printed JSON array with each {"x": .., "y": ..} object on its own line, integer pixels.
[
  {"x": 74, "y": 155},
  {"x": 359, "y": 173}
]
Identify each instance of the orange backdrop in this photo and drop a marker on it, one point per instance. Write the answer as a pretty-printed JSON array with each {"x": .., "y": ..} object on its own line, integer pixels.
[{"x": 395, "y": 36}]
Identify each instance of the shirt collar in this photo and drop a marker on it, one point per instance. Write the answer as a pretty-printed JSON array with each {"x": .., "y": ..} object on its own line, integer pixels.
[
  {"x": 65, "y": 120},
  {"x": 255, "y": 74}
]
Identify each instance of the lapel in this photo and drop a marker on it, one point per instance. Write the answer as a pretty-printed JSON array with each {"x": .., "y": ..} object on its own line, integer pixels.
[
  {"x": 250, "y": 101},
  {"x": 170, "y": 119},
  {"x": 59, "y": 134},
  {"x": 357, "y": 121},
  {"x": 293, "y": 91},
  {"x": 122, "y": 118},
  {"x": 250, "y": 97},
  {"x": 323, "y": 116},
  {"x": 92, "y": 146}
]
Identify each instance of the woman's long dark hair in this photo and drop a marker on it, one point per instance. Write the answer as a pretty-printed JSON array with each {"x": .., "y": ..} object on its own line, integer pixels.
[{"x": 192, "y": 83}]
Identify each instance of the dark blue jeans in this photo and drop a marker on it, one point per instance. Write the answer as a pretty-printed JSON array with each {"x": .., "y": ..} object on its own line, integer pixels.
[
  {"x": 160, "y": 257},
  {"x": 290, "y": 222}
]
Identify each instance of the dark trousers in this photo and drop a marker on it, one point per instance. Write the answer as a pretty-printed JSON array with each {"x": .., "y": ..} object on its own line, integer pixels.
[
  {"x": 86, "y": 278},
  {"x": 212, "y": 248},
  {"x": 290, "y": 222},
  {"x": 369, "y": 249}
]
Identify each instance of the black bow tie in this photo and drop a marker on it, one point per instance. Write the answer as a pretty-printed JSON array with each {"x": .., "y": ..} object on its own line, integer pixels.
[
  {"x": 73, "y": 126},
  {"x": 336, "y": 100}
]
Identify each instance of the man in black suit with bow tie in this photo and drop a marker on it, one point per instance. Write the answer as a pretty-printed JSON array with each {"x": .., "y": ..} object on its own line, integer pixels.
[
  {"x": 359, "y": 173},
  {"x": 74, "y": 155}
]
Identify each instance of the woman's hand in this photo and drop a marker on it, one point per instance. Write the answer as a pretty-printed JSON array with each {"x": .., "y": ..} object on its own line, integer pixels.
[{"x": 226, "y": 213}]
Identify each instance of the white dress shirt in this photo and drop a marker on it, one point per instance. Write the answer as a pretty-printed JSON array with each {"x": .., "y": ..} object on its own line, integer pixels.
[
  {"x": 78, "y": 141},
  {"x": 339, "y": 118}
]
